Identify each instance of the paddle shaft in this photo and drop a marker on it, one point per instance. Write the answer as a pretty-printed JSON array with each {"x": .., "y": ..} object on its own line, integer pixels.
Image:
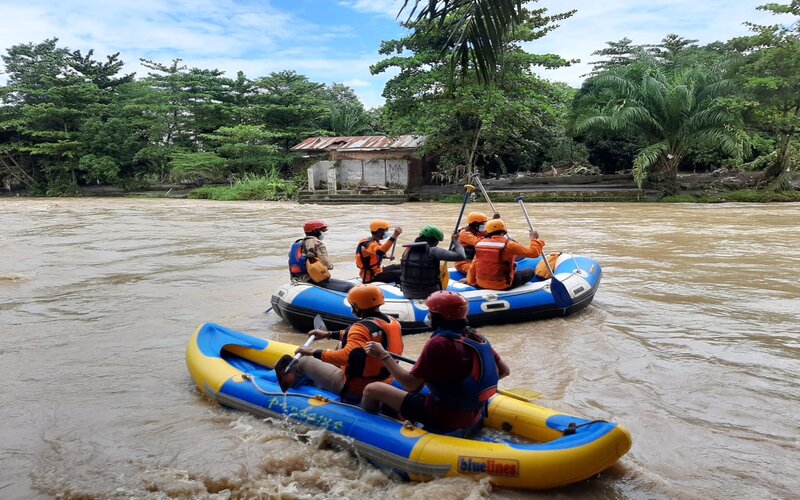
[
  {"x": 297, "y": 356},
  {"x": 477, "y": 177},
  {"x": 531, "y": 394},
  {"x": 391, "y": 255},
  {"x": 530, "y": 226},
  {"x": 468, "y": 189}
]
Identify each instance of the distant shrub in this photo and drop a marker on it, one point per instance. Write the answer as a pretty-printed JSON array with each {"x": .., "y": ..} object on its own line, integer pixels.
[{"x": 250, "y": 187}]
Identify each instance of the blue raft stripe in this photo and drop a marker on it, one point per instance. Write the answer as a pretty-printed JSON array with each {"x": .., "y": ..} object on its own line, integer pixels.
[
  {"x": 374, "y": 430},
  {"x": 213, "y": 337}
]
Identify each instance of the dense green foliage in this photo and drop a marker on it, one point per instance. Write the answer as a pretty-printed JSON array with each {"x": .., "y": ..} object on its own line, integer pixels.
[
  {"x": 466, "y": 123},
  {"x": 68, "y": 120},
  {"x": 250, "y": 187},
  {"x": 464, "y": 79}
]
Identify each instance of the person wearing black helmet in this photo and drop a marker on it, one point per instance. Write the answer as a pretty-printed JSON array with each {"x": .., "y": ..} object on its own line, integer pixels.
[
  {"x": 420, "y": 265},
  {"x": 460, "y": 368}
]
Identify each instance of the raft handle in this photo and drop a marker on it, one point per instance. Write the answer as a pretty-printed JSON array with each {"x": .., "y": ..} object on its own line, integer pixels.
[{"x": 500, "y": 305}]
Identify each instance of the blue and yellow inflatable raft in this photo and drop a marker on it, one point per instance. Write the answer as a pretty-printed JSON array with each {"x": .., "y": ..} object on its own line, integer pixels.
[{"x": 522, "y": 445}]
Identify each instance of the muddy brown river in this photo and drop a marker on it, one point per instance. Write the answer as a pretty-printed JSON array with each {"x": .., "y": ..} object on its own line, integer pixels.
[{"x": 692, "y": 343}]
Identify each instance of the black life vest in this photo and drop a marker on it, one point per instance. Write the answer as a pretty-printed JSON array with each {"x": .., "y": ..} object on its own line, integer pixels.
[{"x": 419, "y": 272}]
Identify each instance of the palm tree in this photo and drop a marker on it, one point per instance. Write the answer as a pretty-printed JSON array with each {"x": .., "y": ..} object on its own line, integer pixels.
[
  {"x": 349, "y": 120},
  {"x": 673, "y": 113},
  {"x": 478, "y": 33}
]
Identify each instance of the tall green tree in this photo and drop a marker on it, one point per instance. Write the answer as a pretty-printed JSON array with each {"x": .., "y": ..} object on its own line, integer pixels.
[
  {"x": 671, "y": 111},
  {"x": 466, "y": 122},
  {"x": 477, "y": 30},
  {"x": 772, "y": 77},
  {"x": 50, "y": 95},
  {"x": 291, "y": 106}
]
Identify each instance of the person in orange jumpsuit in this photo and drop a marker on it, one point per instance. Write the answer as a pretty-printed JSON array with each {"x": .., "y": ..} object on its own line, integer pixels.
[
  {"x": 370, "y": 253},
  {"x": 347, "y": 370},
  {"x": 469, "y": 236},
  {"x": 493, "y": 266}
]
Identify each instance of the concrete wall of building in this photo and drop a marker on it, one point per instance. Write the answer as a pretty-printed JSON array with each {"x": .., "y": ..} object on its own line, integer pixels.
[{"x": 352, "y": 173}]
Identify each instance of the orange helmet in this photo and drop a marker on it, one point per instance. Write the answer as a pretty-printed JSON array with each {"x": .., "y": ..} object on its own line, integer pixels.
[
  {"x": 476, "y": 217},
  {"x": 379, "y": 224},
  {"x": 495, "y": 225},
  {"x": 314, "y": 225},
  {"x": 450, "y": 305},
  {"x": 365, "y": 296}
]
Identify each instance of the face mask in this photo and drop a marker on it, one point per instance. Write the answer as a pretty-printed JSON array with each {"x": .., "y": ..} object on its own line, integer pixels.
[
  {"x": 427, "y": 321},
  {"x": 321, "y": 236},
  {"x": 482, "y": 227}
]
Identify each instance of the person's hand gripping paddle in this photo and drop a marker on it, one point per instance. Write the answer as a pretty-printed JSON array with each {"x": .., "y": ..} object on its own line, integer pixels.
[
  {"x": 561, "y": 295},
  {"x": 444, "y": 273}
]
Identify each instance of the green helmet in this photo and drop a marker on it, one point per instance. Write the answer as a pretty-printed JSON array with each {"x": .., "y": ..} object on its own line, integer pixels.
[{"x": 432, "y": 232}]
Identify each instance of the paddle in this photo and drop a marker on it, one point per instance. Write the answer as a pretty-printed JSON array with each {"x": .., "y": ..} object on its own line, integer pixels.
[
  {"x": 520, "y": 393},
  {"x": 444, "y": 274},
  {"x": 477, "y": 178},
  {"x": 319, "y": 325},
  {"x": 557, "y": 289},
  {"x": 391, "y": 255}
]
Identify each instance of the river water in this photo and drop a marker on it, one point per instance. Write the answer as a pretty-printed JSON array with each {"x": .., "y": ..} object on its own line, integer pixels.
[{"x": 692, "y": 342}]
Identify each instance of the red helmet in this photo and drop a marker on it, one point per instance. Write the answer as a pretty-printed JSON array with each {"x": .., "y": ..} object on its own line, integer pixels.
[
  {"x": 449, "y": 305},
  {"x": 314, "y": 225}
]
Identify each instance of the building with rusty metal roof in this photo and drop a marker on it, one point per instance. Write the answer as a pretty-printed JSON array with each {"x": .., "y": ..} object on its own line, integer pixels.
[{"x": 363, "y": 163}]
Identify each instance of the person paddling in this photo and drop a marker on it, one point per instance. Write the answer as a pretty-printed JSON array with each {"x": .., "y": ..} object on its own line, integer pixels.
[
  {"x": 494, "y": 265},
  {"x": 347, "y": 370},
  {"x": 470, "y": 235},
  {"x": 420, "y": 265},
  {"x": 370, "y": 253},
  {"x": 460, "y": 368}
]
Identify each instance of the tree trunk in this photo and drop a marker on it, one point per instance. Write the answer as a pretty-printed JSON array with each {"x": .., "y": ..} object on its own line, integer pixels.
[
  {"x": 778, "y": 173},
  {"x": 669, "y": 172}
]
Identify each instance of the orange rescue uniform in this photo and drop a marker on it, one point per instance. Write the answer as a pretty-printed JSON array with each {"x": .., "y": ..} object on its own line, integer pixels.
[
  {"x": 468, "y": 240},
  {"x": 360, "y": 369},
  {"x": 369, "y": 256},
  {"x": 493, "y": 266}
]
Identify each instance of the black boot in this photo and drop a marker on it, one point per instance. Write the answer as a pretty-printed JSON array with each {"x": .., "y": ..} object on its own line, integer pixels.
[{"x": 285, "y": 380}]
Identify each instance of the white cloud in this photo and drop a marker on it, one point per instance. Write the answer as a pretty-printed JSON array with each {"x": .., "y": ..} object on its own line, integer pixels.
[
  {"x": 596, "y": 23},
  {"x": 388, "y": 8}
]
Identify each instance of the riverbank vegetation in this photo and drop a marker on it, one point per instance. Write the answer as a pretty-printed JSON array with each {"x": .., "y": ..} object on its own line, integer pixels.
[{"x": 466, "y": 82}]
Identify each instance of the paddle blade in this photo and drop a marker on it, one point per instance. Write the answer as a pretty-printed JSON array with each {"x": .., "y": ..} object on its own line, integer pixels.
[
  {"x": 520, "y": 393},
  {"x": 319, "y": 324},
  {"x": 444, "y": 275},
  {"x": 561, "y": 296}
]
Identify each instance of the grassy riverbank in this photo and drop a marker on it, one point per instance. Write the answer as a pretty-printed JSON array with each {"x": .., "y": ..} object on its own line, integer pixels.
[
  {"x": 251, "y": 187},
  {"x": 742, "y": 196}
]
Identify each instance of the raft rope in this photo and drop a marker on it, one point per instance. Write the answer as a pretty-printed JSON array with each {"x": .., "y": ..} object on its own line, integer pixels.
[
  {"x": 248, "y": 376},
  {"x": 572, "y": 427},
  {"x": 319, "y": 397}
]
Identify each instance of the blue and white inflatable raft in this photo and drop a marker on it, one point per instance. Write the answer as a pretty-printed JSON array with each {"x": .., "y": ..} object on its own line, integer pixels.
[{"x": 298, "y": 302}]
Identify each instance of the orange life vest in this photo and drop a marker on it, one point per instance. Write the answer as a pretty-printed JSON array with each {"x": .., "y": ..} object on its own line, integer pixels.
[
  {"x": 362, "y": 369},
  {"x": 493, "y": 269},
  {"x": 369, "y": 265}
]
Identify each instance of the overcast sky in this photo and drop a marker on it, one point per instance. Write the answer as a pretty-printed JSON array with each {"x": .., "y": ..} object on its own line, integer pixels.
[{"x": 334, "y": 40}]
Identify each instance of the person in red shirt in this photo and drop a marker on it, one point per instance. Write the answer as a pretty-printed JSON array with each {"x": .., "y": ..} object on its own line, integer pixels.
[
  {"x": 494, "y": 265},
  {"x": 370, "y": 253},
  {"x": 347, "y": 370},
  {"x": 459, "y": 367}
]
